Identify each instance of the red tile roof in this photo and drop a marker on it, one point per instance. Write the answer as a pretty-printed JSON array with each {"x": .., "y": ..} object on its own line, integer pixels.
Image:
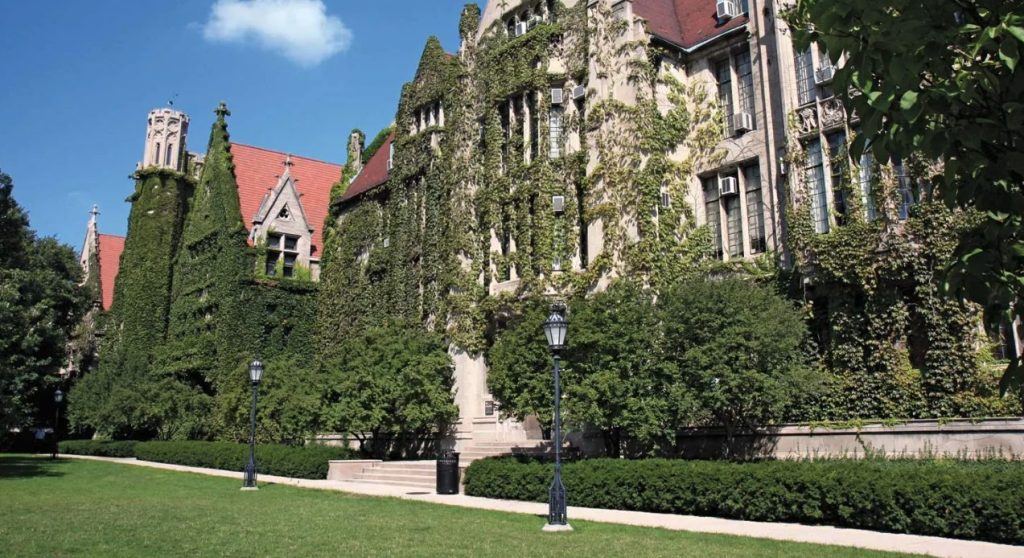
[
  {"x": 110, "y": 249},
  {"x": 258, "y": 170},
  {"x": 686, "y": 23},
  {"x": 374, "y": 173}
]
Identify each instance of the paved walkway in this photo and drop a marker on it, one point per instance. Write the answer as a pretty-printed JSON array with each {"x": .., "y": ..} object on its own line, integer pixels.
[{"x": 912, "y": 544}]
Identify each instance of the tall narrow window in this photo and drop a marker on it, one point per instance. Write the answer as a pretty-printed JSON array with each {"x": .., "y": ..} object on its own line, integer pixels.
[
  {"x": 724, "y": 76},
  {"x": 745, "y": 82},
  {"x": 755, "y": 208},
  {"x": 907, "y": 197},
  {"x": 531, "y": 102},
  {"x": 805, "y": 77},
  {"x": 837, "y": 164},
  {"x": 734, "y": 221},
  {"x": 867, "y": 195},
  {"x": 555, "y": 132},
  {"x": 506, "y": 132},
  {"x": 814, "y": 179},
  {"x": 712, "y": 212},
  {"x": 156, "y": 160},
  {"x": 167, "y": 155}
]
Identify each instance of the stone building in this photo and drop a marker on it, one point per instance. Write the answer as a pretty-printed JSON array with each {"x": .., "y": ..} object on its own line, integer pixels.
[{"x": 569, "y": 143}]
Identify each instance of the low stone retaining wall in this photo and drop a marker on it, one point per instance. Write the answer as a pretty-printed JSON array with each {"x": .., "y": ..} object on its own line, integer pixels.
[
  {"x": 347, "y": 469},
  {"x": 1002, "y": 437}
]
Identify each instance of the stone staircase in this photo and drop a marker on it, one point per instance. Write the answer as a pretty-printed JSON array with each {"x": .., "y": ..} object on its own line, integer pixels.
[
  {"x": 480, "y": 450},
  {"x": 413, "y": 474}
]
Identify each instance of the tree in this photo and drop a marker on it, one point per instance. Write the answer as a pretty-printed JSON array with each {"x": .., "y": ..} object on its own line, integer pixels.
[
  {"x": 617, "y": 378},
  {"x": 41, "y": 301},
  {"x": 738, "y": 349},
  {"x": 391, "y": 388},
  {"x": 941, "y": 79},
  {"x": 519, "y": 365}
]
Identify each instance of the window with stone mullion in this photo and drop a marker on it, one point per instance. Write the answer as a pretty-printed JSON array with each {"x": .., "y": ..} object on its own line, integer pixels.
[
  {"x": 805, "y": 77},
  {"x": 734, "y": 222},
  {"x": 745, "y": 82},
  {"x": 755, "y": 208},
  {"x": 723, "y": 74},
  {"x": 814, "y": 179},
  {"x": 712, "y": 212}
]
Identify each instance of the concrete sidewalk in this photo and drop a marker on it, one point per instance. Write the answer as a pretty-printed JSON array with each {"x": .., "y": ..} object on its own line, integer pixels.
[{"x": 912, "y": 544}]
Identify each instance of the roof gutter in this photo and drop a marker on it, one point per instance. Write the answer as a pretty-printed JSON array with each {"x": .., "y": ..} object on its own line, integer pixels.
[{"x": 705, "y": 42}]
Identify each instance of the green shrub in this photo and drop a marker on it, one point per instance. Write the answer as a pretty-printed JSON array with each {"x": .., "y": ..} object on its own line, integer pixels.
[
  {"x": 102, "y": 448},
  {"x": 308, "y": 462},
  {"x": 960, "y": 499}
]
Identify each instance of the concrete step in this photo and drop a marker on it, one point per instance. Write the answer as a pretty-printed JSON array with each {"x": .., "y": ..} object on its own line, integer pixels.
[
  {"x": 388, "y": 479},
  {"x": 420, "y": 485},
  {"x": 400, "y": 471}
]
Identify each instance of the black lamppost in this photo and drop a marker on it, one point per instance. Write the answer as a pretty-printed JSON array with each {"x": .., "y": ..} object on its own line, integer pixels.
[
  {"x": 555, "y": 328},
  {"x": 255, "y": 375},
  {"x": 58, "y": 398}
]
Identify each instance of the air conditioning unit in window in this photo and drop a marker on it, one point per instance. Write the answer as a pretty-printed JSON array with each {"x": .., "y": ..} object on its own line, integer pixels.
[
  {"x": 824, "y": 74},
  {"x": 578, "y": 92},
  {"x": 521, "y": 28},
  {"x": 727, "y": 9},
  {"x": 742, "y": 122},
  {"x": 727, "y": 186},
  {"x": 556, "y": 96},
  {"x": 558, "y": 203}
]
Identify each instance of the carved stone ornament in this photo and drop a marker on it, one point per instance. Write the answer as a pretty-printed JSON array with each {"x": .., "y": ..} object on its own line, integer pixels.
[
  {"x": 808, "y": 120},
  {"x": 832, "y": 113}
]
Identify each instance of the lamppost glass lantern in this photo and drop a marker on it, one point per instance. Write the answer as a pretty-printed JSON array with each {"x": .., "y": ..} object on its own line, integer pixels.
[
  {"x": 556, "y": 327},
  {"x": 256, "y": 371},
  {"x": 58, "y": 396}
]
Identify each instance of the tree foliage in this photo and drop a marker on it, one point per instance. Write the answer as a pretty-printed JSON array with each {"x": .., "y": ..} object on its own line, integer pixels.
[
  {"x": 710, "y": 352},
  {"x": 41, "y": 301},
  {"x": 942, "y": 79},
  {"x": 391, "y": 388}
]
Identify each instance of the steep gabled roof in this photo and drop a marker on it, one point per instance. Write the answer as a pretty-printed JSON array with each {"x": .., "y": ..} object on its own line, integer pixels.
[
  {"x": 110, "y": 248},
  {"x": 375, "y": 172},
  {"x": 686, "y": 23},
  {"x": 258, "y": 171}
]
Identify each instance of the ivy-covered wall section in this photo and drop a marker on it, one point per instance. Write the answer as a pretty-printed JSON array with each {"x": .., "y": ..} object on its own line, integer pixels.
[{"x": 189, "y": 310}]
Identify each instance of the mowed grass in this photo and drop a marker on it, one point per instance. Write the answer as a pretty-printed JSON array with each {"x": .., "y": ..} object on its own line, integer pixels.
[{"x": 86, "y": 508}]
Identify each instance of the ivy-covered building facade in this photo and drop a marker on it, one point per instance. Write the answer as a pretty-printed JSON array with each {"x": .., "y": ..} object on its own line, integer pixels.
[{"x": 566, "y": 144}]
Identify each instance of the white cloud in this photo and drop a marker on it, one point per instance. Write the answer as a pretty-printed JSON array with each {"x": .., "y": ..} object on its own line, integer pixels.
[{"x": 300, "y": 30}]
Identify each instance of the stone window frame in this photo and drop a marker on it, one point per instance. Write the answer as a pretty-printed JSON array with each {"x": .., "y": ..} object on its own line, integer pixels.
[
  {"x": 733, "y": 233},
  {"x": 282, "y": 247}
]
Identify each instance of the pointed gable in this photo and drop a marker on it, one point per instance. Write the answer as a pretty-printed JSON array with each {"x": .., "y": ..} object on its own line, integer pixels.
[
  {"x": 686, "y": 23},
  {"x": 375, "y": 173},
  {"x": 110, "y": 248},
  {"x": 258, "y": 172}
]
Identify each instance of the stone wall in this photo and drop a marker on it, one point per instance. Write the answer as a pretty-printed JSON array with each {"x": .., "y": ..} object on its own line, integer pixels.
[{"x": 914, "y": 438}]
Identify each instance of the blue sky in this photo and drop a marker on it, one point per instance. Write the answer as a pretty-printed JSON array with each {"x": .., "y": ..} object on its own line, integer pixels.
[{"x": 80, "y": 77}]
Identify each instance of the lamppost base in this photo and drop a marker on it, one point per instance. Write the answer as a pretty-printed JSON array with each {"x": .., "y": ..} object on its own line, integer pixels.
[
  {"x": 249, "y": 488},
  {"x": 549, "y": 528}
]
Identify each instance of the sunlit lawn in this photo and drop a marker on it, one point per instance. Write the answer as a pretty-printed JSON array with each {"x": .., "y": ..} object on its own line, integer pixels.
[{"x": 87, "y": 508}]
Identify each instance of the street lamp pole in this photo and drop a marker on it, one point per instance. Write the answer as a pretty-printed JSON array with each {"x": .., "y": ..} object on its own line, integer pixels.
[
  {"x": 58, "y": 397},
  {"x": 555, "y": 329},
  {"x": 255, "y": 376}
]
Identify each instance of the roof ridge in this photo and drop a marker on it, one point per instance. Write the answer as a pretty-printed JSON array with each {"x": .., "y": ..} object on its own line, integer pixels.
[{"x": 269, "y": 150}]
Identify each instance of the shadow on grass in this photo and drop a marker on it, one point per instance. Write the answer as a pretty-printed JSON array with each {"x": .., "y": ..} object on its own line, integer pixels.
[{"x": 29, "y": 466}]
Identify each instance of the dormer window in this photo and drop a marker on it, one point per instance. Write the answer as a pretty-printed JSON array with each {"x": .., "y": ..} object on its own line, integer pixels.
[{"x": 283, "y": 252}]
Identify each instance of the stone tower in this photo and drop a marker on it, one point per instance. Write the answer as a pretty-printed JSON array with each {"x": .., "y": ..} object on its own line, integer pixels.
[{"x": 166, "y": 132}]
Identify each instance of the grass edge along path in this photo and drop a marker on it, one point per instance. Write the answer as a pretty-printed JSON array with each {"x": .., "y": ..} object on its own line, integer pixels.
[{"x": 78, "y": 507}]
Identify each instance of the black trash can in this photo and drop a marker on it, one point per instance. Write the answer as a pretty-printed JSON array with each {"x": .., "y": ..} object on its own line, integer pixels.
[{"x": 448, "y": 473}]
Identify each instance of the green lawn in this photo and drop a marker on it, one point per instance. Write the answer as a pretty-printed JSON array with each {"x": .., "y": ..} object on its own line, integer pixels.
[{"x": 87, "y": 508}]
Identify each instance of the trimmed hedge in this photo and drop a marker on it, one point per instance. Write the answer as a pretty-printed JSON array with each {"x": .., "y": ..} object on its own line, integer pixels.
[
  {"x": 308, "y": 462},
  {"x": 102, "y": 448},
  {"x": 981, "y": 500}
]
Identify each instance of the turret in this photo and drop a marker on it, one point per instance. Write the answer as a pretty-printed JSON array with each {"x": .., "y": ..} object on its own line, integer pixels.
[{"x": 166, "y": 133}]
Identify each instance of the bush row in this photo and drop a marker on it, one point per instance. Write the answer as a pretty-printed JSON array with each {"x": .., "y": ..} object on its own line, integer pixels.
[
  {"x": 308, "y": 462},
  {"x": 959, "y": 499},
  {"x": 102, "y": 448}
]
